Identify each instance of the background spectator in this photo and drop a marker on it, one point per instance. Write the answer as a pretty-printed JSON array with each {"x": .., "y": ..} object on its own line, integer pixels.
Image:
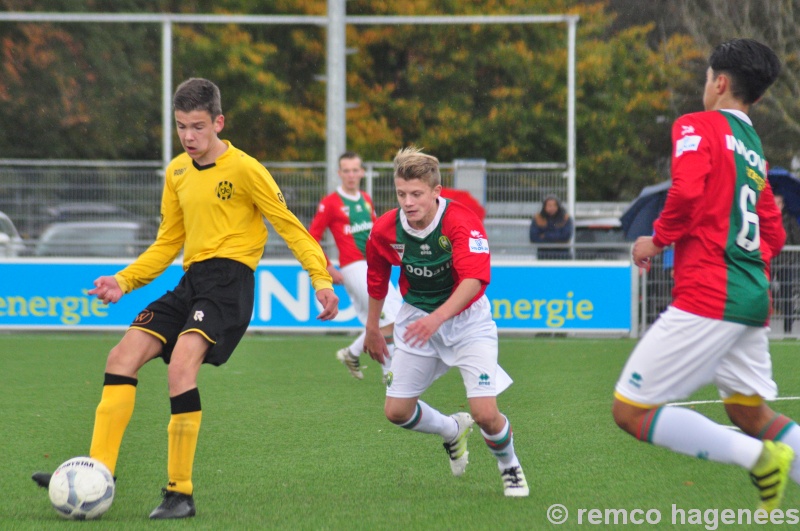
[{"x": 551, "y": 225}]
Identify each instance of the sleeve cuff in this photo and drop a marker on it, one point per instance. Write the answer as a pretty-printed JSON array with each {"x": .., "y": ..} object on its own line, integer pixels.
[
  {"x": 322, "y": 284},
  {"x": 123, "y": 284}
]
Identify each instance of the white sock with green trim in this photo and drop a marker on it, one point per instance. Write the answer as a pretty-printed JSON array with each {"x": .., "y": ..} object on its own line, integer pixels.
[{"x": 688, "y": 432}]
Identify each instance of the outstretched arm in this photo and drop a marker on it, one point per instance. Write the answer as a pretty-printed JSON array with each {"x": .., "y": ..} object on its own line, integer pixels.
[{"x": 107, "y": 289}]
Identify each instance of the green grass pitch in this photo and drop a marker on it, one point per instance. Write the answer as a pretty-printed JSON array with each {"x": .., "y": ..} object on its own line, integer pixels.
[{"x": 290, "y": 441}]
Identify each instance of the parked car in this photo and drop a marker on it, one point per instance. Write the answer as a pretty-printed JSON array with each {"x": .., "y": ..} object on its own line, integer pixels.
[
  {"x": 108, "y": 239},
  {"x": 601, "y": 238},
  {"x": 11, "y": 243},
  {"x": 86, "y": 211}
]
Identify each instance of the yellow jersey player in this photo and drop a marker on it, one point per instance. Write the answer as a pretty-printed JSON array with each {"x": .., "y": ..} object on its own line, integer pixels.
[{"x": 214, "y": 199}]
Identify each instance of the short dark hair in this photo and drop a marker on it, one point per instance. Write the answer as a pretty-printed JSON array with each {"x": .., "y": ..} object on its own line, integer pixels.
[
  {"x": 751, "y": 65},
  {"x": 349, "y": 155},
  {"x": 198, "y": 94}
]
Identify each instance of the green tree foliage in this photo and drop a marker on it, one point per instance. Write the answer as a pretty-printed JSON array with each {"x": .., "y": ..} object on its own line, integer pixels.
[
  {"x": 774, "y": 22},
  {"x": 496, "y": 92},
  {"x": 499, "y": 91},
  {"x": 79, "y": 91}
]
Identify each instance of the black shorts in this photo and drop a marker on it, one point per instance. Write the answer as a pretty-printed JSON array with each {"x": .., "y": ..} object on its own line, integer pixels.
[{"x": 214, "y": 298}]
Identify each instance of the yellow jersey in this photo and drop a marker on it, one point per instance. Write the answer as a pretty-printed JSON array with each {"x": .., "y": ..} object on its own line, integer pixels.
[{"x": 217, "y": 211}]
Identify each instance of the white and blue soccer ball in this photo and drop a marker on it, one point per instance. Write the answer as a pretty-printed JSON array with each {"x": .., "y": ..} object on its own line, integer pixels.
[{"x": 81, "y": 489}]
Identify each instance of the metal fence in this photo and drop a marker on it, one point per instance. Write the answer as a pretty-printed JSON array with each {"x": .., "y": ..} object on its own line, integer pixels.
[
  {"x": 35, "y": 194},
  {"x": 656, "y": 291}
]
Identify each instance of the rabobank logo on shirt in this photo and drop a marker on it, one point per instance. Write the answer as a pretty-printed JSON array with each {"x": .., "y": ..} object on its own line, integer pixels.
[
  {"x": 687, "y": 143},
  {"x": 53, "y": 294},
  {"x": 478, "y": 243}
]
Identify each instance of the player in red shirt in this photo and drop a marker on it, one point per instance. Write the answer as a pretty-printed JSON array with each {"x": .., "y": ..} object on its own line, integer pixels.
[
  {"x": 349, "y": 214},
  {"x": 445, "y": 320},
  {"x": 721, "y": 216}
]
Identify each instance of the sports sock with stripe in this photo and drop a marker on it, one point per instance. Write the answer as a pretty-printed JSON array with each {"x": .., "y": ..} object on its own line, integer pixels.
[
  {"x": 782, "y": 428},
  {"x": 502, "y": 446},
  {"x": 428, "y": 420},
  {"x": 688, "y": 432},
  {"x": 183, "y": 430},
  {"x": 111, "y": 418}
]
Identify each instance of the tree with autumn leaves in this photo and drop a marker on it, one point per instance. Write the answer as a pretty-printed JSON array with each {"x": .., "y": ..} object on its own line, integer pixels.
[{"x": 496, "y": 92}]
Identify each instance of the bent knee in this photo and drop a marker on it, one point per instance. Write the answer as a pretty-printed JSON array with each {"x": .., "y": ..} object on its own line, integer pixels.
[{"x": 398, "y": 415}]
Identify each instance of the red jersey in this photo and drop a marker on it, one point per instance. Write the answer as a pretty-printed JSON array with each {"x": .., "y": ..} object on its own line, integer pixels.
[
  {"x": 433, "y": 261},
  {"x": 349, "y": 218},
  {"x": 721, "y": 215}
]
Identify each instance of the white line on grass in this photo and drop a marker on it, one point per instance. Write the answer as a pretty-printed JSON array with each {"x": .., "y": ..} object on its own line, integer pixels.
[{"x": 696, "y": 402}]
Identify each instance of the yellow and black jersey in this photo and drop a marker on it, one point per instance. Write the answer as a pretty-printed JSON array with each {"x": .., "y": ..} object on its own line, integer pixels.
[{"x": 215, "y": 211}]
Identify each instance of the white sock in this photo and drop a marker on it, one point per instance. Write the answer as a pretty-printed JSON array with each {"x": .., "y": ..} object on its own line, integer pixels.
[
  {"x": 387, "y": 362},
  {"x": 792, "y": 438},
  {"x": 357, "y": 346},
  {"x": 688, "y": 432},
  {"x": 427, "y": 420},
  {"x": 502, "y": 446}
]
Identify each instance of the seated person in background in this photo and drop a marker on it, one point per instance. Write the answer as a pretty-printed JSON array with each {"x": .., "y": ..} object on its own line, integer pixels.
[{"x": 551, "y": 225}]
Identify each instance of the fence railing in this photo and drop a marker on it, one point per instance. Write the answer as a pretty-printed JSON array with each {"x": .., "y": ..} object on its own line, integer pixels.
[{"x": 656, "y": 291}]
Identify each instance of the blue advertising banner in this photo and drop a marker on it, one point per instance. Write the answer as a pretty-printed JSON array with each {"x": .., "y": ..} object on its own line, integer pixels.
[
  {"x": 562, "y": 296},
  {"x": 53, "y": 294}
]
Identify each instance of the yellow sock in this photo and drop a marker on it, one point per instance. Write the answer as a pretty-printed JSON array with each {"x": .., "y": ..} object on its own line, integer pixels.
[
  {"x": 111, "y": 418},
  {"x": 183, "y": 430}
]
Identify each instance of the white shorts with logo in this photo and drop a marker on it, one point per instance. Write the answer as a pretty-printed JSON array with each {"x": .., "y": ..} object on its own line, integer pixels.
[
  {"x": 467, "y": 341},
  {"x": 355, "y": 282},
  {"x": 682, "y": 352}
]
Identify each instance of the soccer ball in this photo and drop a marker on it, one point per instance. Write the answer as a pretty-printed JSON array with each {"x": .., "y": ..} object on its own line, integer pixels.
[{"x": 81, "y": 489}]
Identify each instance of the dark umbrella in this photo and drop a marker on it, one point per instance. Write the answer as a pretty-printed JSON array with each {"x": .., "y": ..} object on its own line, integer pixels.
[
  {"x": 638, "y": 218},
  {"x": 785, "y": 184}
]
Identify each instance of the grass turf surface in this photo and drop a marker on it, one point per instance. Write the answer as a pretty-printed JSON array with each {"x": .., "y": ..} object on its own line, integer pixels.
[{"x": 290, "y": 441}]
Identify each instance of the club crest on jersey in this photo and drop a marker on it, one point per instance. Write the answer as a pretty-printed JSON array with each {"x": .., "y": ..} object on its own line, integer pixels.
[
  {"x": 281, "y": 199},
  {"x": 399, "y": 248},
  {"x": 478, "y": 243},
  {"x": 444, "y": 243},
  {"x": 225, "y": 190}
]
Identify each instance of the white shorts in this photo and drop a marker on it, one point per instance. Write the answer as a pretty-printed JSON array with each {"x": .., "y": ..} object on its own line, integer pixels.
[
  {"x": 682, "y": 352},
  {"x": 355, "y": 282},
  {"x": 467, "y": 341}
]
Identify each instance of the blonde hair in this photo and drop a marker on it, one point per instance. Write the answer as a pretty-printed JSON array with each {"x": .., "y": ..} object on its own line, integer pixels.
[{"x": 411, "y": 163}]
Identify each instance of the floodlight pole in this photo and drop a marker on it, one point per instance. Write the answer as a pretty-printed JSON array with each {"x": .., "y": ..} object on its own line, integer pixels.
[
  {"x": 336, "y": 91},
  {"x": 166, "y": 92}
]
